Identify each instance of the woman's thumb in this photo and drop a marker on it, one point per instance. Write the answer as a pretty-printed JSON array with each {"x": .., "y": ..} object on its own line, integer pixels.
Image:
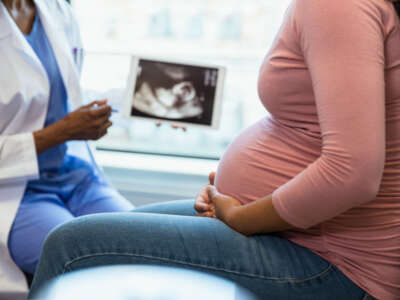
[
  {"x": 97, "y": 103},
  {"x": 211, "y": 178},
  {"x": 212, "y": 193}
]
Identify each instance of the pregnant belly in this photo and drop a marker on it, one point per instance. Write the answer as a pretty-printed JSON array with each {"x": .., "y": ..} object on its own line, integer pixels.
[{"x": 262, "y": 158}]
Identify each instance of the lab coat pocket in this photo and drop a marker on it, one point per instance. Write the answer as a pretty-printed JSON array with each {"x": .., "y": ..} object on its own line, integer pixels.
[{"x": 10, "y": 105}]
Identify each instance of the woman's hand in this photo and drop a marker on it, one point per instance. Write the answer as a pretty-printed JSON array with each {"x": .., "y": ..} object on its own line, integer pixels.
[
  {"x": 225, "y": 206},
  {"x": 203, "y": 204},
  {"x": 184, "y": 128},
  {"x": 89, "y": 122},
  {"x": 257, "y": 217}
]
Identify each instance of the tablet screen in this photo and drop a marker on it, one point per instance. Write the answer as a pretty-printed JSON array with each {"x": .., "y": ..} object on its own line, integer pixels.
[{"x": 175, "y": 92}]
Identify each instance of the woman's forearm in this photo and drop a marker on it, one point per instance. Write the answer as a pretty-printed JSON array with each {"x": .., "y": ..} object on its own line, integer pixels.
[
  {"x": 49, "y": 137},
  {"x": 257, "y": 217}
]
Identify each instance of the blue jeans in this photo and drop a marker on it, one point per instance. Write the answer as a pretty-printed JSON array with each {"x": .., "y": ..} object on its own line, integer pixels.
[{"x": 169, "y": 235}]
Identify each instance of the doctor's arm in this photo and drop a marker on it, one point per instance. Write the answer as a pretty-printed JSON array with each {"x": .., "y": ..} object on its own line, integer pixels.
[{"x": 89, "y": 122}]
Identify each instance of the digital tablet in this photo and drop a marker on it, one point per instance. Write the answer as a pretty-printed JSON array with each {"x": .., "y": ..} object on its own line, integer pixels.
[{"x": 175, "y": 92}]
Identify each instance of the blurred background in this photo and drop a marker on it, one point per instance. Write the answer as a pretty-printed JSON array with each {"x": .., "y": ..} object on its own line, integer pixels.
[
  {"x": 236, "y": 34},
  {"x": 232, "y": 33}
]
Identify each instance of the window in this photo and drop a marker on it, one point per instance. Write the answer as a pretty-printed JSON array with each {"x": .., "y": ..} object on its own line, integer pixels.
[{"x": 233, "y": 33}]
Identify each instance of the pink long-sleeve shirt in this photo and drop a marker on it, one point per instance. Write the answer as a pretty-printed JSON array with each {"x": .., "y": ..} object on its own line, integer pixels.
[{"x": 330, "y": 151}]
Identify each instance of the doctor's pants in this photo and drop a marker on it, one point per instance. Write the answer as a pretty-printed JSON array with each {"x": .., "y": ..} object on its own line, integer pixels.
[{"x": 44, "y": 208}]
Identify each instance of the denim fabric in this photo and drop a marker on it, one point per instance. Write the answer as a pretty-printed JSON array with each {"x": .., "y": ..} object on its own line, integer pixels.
[{"x": 168, "y": 235}]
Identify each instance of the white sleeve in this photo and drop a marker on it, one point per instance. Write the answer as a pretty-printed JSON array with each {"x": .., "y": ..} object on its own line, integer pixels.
[{"x": 18, "y": 158}]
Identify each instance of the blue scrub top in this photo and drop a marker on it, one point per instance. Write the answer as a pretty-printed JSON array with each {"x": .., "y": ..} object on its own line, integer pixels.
[
  {"x": 55, "y": 166},
  {"x": 57, "y": 107}
]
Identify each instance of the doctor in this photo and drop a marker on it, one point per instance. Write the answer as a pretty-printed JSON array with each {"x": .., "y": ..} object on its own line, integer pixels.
[{"x": 45, "y": 178}]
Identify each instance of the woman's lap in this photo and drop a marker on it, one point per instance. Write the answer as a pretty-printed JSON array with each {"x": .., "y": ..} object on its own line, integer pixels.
[
  {"x": 177, "y": 208},
  {"x": 268, "y": 265}
]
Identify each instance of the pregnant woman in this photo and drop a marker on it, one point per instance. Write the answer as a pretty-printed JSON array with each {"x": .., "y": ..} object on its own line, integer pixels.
[{"x": 306, "y": 203}]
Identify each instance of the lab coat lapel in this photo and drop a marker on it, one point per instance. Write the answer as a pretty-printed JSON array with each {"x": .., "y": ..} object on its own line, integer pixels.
[
  {"x": 5, "y": 28},
  {"x": 63, "y": 53},
  {"x": 9, "y": 30}
]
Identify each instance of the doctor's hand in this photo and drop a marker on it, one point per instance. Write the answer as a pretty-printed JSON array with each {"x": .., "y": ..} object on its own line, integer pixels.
[
  {"x": 203, "y": 204},
  {"x": 89, "y": 122}
]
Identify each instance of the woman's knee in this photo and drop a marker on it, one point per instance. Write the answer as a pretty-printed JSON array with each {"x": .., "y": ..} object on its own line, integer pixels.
[
  {"x": 62, "y": 236},
  {"x": 92, "y": 233}
]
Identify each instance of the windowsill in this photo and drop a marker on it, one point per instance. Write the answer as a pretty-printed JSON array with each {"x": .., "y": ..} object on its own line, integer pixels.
[
  {"x": 145, "y": 179},
  {"x": 155, "y": 163}
]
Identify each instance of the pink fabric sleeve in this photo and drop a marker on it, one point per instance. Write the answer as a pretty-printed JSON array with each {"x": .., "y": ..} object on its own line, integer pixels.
[{"x": 343, "y": 46}]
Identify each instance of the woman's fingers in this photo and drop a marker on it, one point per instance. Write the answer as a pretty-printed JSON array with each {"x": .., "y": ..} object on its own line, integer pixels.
[
  {"x": 208, "y": 214},
  {"x": 177, "y": 127},
  {"x": 100, "y": 111},
  {"x": 201, "y": 207},
  {"x": 107, "y": 125},
  {"x": 211, "y": 178},
  {"x": 212, "y": 193},
  {"x": 158, "y": 124},
  {"x": 102, "y": 131},
  {"x": 98, "y": 103},
  {"x": 202, "y": 202}
]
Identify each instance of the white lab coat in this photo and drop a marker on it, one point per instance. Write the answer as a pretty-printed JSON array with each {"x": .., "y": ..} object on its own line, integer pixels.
[{"x": 24, "y": 96}]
